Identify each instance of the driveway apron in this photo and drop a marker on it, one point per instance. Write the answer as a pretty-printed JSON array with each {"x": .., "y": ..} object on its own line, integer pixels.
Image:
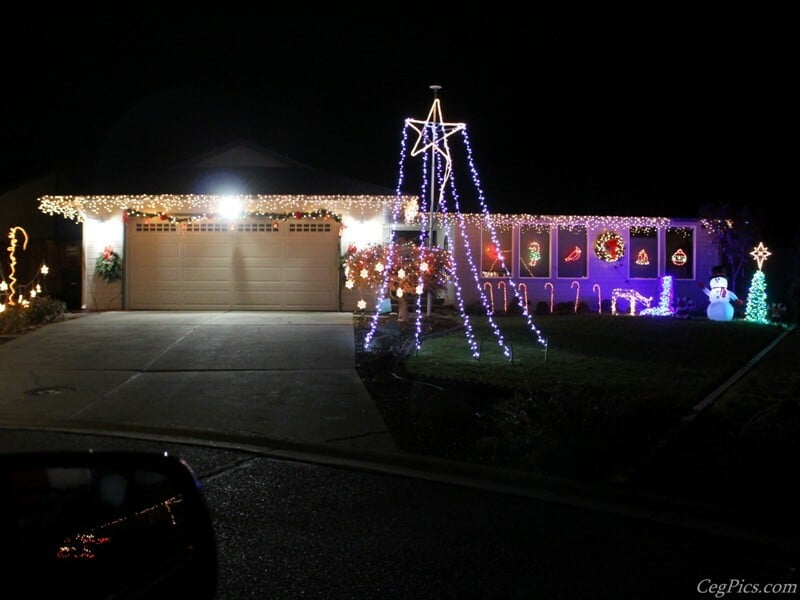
[{"x": 288, "y": 377}]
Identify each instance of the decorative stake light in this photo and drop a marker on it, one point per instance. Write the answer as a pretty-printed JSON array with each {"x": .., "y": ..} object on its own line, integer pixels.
[
  {"x": 577, "y": 294},
  {"x": 596, "y": 288},
  {"x": 12, "y": 248}
]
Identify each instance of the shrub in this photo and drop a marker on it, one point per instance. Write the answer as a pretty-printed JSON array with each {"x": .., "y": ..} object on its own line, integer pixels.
[
  {"x": 542, "y": 308},
  {"x": 40, "y": 311}
]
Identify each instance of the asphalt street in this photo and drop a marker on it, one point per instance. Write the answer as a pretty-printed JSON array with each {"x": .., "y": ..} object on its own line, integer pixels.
[{"x": 310, "y": 497}]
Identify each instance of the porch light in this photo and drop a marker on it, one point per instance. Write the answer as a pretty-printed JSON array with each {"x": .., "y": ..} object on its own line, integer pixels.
[{"x": 229, "y": 208}]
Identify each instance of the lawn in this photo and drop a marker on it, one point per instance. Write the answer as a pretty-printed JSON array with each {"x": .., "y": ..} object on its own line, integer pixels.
[{"x": 592, "y": 405}]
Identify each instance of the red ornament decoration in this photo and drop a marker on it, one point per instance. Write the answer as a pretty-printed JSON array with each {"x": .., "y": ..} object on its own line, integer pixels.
[{"x": 679, "y": 258}]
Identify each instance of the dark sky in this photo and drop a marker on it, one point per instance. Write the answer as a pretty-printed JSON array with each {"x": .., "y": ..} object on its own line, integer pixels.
[{"x": 568, "y": 112}]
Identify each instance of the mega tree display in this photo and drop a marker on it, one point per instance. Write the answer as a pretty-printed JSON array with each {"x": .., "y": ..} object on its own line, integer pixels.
[{"x": 439, "y": 200}]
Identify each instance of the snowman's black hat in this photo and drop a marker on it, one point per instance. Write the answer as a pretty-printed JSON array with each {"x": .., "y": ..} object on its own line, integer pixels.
[{"x": 718, "y": 271}]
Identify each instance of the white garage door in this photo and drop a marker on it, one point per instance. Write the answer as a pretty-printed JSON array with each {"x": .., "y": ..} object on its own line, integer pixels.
[{"x": 249, "y": 265}]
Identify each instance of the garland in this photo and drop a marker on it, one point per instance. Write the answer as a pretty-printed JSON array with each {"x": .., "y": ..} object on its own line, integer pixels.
[
  {"x": 320, "y": 213},
  {"x": 108, "y": 265},
  {"x": 609, "y": 246}
]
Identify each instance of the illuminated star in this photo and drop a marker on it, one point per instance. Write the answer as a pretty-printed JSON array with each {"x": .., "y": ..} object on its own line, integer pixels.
[
  {"x": 432, "y": 134},
  {"x": 760, "y": 254},
  {"x": 435, "y": 122}
]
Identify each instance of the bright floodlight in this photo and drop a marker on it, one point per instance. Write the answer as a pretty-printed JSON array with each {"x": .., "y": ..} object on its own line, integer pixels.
[{"x": 229, "y": 207}]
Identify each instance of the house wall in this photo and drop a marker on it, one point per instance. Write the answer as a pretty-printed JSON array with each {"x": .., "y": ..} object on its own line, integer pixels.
[
  {"x": 98, "y": 295},
  {"x": 363, "y": 223},
  {"x": 593, "y": 285}
]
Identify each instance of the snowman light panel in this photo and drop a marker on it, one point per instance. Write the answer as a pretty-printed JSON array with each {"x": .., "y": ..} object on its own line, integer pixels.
[{"x": 719, "y": 297}]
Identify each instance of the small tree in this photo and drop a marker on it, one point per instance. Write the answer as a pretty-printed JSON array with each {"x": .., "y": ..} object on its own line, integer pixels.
[
  {"x": 734, "y": 231},
  {"x": 756, "y": 308},
  {"x": 404, "y": 268}
]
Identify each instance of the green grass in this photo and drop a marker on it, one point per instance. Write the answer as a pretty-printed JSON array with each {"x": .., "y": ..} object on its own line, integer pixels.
[
  {"x": 606, "y": 391},
  {"x": 659, "y": 361}
]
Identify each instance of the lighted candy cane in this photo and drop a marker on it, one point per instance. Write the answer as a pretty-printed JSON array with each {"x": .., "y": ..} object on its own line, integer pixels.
[
  {"x": 491, "y": 294},
  {"x": 577, "y": 294},
  {"x": 596, "y": 288},
  {"x": 525, "y": 291},
  {"x": 505, "y": 295},
  {"x": 551, "y": 295},
  {"x": 13, "y": 259}
]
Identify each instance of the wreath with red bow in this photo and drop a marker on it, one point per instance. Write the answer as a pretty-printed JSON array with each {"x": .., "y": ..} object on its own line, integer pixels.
[
  {"x": 108, "y": 265},
  {"x": 609, "y": 246}
]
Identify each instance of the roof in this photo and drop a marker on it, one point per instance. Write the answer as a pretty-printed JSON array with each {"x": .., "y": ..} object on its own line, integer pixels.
[{"x": 242, "y": 168}]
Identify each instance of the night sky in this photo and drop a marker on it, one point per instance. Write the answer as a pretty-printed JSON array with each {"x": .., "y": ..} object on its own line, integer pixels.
[{"x": 568, "y": 112}]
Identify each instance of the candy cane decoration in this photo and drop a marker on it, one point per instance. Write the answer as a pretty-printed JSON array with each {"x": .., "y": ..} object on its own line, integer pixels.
[
  {"x": 577, "y": 294},
  {"x": 13, "y": 259},
  {"x": 525, "y": 291},
  {"x": 596, "y": 288},
  {"x": 491, "y": 293},
  {"x": 505, "y": 295},
  {"x": 551, "y": 295}
]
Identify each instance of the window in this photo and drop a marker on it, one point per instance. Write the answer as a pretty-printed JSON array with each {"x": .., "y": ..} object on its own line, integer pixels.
[
  {"x": 534, "y": 251},
  {"x": 494, "y": 258},
  {"x": 680, "y": 252},
  {"x": 571, "y": 255},
  {"x": 643, "y": 253}
]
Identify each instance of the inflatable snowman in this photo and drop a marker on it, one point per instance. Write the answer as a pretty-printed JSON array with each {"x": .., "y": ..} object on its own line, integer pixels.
[{"x": 720, "y": 297}]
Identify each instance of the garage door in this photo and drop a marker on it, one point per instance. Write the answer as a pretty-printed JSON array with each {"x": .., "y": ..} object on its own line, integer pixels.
[{"x": 247, "y": 265}]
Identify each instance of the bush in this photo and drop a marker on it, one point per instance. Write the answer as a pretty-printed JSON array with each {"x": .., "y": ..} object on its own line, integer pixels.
[{"x": 19, "y": 319}]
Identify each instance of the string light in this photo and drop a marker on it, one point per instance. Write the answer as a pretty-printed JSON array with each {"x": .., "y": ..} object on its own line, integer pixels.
[
  {"x": 760, "y": 254},
  {"x": 501, "y": 221},
  {"x": 664, "y": 307},
  {"x": 12, "y": 249},
  {"x": 577, "y": 293},
  {"x": 756, "y": 308},
  {"x": 596, "y": 288},
  {"x": 632, "y": 296},
  {"x": 609, "y": 246},
  {"x": 550, "y": 285},
  {"x": 679, "y": 257},
  {"x": 318, "y": 214},
  {"x": 78, "y": 208}
]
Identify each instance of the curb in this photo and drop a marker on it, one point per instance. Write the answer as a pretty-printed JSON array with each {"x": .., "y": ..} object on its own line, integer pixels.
[{"x": 591, "y": 497}]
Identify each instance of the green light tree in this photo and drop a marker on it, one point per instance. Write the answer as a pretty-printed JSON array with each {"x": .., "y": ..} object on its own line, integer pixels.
[{"x": 756, "y": 308}]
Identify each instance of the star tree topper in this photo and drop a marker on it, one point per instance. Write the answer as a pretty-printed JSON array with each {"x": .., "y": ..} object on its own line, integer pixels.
[
  {"x": 760, "y": 254},
  {"x": 438, "y": 132}
]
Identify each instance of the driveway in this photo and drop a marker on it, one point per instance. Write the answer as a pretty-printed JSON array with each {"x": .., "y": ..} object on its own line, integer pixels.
[{"x": 285, "y": 379}]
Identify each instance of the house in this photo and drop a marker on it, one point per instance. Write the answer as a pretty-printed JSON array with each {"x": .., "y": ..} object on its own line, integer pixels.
[{"x": 244, "y": 228}]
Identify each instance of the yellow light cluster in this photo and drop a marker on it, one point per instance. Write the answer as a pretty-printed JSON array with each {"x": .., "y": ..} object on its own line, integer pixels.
[{"x": 77, "y": 208}]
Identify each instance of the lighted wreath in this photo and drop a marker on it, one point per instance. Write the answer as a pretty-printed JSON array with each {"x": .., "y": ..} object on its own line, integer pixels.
[
  {"x": 108, "y": 265},
  {"x": 609, "y": 246}
]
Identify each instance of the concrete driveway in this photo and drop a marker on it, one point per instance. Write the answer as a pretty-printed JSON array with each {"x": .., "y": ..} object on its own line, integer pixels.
[{"x": 281, "y": 378}]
